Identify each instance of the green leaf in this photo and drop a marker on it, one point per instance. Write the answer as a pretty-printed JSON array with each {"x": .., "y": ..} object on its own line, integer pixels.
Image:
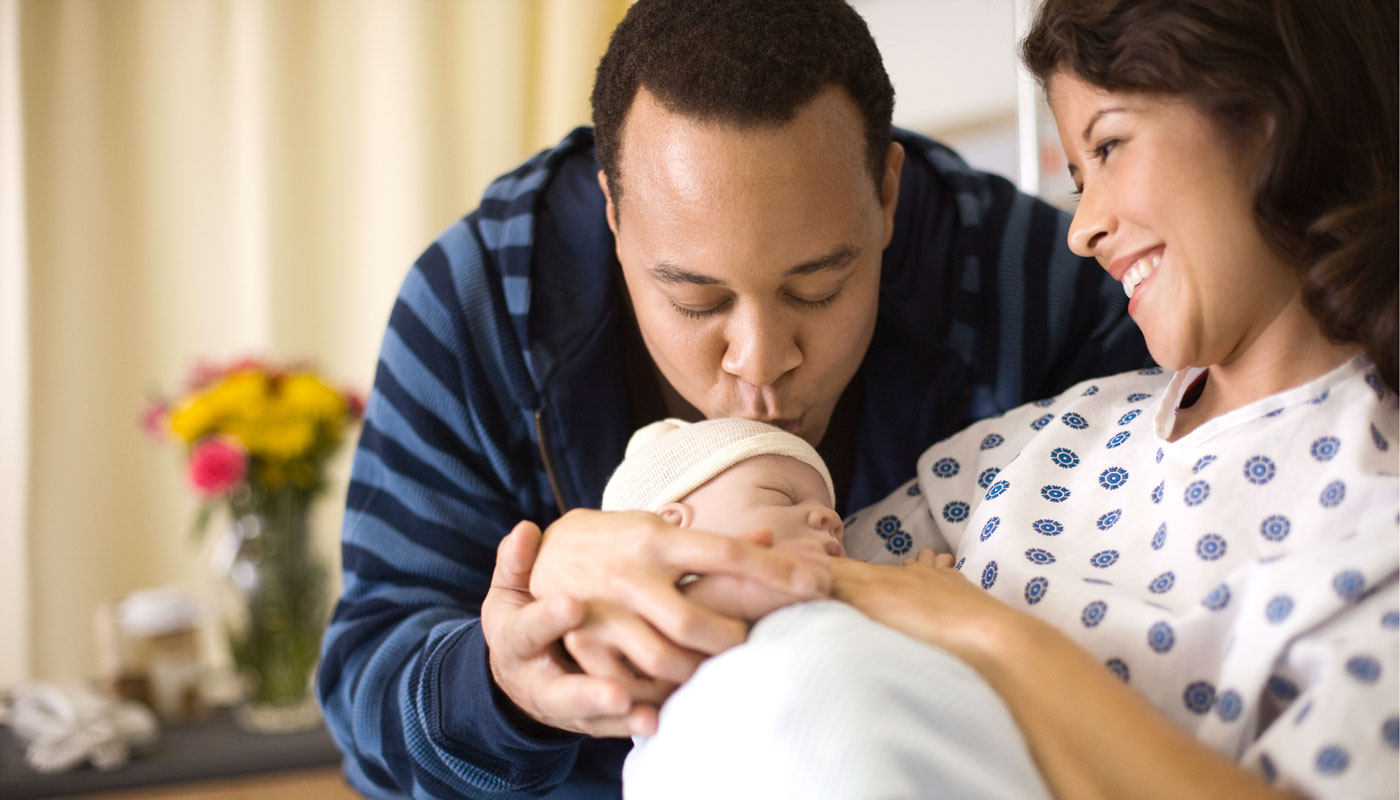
[{"x": 201, "y": 521}]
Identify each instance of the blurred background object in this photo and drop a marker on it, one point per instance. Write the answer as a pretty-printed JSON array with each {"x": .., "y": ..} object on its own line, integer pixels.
[{"x": 147, "y": 651}]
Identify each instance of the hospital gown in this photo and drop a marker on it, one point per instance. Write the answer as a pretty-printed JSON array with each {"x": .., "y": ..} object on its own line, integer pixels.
[{"x": 1243, "y": 578}]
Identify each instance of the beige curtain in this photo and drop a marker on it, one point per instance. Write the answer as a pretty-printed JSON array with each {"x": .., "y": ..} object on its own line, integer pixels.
[{"x": 211, "y": 178}]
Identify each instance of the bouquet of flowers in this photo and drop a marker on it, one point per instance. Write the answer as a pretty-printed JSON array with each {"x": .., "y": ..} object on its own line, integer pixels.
[
  {"x": 257, "y": 437},
  {"x": 253, "y": 430}
]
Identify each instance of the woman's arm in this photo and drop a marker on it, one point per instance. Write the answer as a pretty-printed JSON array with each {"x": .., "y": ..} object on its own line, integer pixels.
[{"x": 1091, "y": 735}]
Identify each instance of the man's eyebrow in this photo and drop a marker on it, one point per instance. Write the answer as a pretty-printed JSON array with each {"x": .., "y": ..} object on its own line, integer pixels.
[
  {"x": 671, "y": 274},
  {"x": 836, "y": 259}
]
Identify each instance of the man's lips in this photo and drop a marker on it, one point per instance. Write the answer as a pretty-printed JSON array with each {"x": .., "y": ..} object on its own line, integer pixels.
[{"x": 792, "y": 425}]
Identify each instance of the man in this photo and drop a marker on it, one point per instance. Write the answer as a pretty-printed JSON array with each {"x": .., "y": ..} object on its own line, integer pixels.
[{"x": 751, "y": 241}]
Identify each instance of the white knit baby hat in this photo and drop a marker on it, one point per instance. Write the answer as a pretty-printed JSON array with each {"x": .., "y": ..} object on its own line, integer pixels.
[{"x": 669, "y": 459}]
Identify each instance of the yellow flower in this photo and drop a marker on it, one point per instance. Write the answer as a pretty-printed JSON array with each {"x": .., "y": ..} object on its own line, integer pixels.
[
  {"x": 216, "y": 409},
  {"x": 307, "y": 394},
  {"x": 194, "y": 417},
  {"x": 243, "y": 393},
  {"x": 283, "y": 439}
]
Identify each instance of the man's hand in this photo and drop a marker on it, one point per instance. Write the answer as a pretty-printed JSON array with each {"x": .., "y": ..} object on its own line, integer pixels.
[
  {"x": 747, "y": 600},
  {"x": 527, "y": 661},
  {"x": 634, "y": 559},
  {"x": 639, "y": 630},
  {"x": 609, "y": 633}
]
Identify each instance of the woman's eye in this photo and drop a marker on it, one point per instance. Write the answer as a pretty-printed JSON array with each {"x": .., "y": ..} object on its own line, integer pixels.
[{"x": 1107, "y": 146}]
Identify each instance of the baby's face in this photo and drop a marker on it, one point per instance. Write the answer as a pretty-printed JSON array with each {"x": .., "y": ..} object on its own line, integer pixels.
[{"x": 770, "y": 492}]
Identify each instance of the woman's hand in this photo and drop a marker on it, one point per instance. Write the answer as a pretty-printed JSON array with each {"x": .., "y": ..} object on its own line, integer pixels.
[{"x": 929, "y": 600}]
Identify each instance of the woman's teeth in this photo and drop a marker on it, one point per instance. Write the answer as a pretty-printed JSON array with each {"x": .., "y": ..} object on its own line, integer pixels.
[{"x": 1139, "y": 272}]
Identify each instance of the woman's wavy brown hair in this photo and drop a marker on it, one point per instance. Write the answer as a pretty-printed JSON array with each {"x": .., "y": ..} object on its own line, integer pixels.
[{"x": 1325, "y": 73}]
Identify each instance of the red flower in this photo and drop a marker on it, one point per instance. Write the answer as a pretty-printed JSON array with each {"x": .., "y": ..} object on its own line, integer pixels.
[{"x": 217, "y": 465}]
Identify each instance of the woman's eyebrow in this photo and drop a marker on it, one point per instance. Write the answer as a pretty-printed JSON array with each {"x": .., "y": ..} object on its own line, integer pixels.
[{"x": 1094, "y": 120}]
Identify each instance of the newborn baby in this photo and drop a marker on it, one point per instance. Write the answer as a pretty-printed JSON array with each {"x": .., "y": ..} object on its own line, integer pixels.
[{"x": 732, "y": 476}]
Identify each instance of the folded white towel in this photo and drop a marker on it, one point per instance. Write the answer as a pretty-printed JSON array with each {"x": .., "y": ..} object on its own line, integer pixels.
[{"x": 67, "y": 724}]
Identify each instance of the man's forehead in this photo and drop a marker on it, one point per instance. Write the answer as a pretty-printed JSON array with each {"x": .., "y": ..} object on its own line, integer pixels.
[{"x": 659, "y": 144}]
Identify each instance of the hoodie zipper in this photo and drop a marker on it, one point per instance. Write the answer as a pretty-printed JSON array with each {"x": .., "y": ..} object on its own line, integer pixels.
[{"x": 548, "y": 465}]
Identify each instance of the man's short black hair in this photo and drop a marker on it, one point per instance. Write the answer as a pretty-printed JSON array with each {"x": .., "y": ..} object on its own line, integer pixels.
[{"x": 742, "y": 62}]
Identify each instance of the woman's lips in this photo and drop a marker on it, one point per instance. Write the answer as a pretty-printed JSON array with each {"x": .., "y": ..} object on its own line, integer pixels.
[{"x": 1143, "y": 287}]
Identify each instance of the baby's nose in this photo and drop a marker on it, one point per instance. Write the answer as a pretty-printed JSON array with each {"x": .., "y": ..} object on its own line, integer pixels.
[{"x": 826, "y": 519}]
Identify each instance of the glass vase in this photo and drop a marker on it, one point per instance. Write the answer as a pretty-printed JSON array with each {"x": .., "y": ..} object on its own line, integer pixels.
[{"x": 274, "y": 607}]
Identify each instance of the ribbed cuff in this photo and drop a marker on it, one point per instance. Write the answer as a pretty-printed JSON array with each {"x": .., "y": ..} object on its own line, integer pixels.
[{"x": 470, "y": 717}]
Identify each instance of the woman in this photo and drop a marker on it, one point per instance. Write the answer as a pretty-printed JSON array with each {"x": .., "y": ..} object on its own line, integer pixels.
[
  {"x": 1188, "y": 581},
  {"x": 1223, "y": 539}
]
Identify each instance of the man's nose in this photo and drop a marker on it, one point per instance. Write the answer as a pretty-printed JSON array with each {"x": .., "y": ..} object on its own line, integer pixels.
[{"x": 761, "y": 347}]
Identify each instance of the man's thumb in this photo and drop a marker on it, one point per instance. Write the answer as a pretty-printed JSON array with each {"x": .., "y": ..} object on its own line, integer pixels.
[{"x": 515, "y": 557}]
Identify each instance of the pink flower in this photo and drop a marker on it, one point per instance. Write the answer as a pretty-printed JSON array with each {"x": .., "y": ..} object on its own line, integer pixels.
[
  {"x": 355, "y": 404},
  {"x": 217, "y": 465},
  {"x": 153, "y": 419},
  {"x": 203, "y": 374}
]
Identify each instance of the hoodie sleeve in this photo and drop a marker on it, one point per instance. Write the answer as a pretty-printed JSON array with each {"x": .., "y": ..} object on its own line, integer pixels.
[{"x": 445, "y": 466}]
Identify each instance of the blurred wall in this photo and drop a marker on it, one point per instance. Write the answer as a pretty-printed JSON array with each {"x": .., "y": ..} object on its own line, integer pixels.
[
  {"x": 953, "y": 66},
  {"x": 213, "y": 178}
]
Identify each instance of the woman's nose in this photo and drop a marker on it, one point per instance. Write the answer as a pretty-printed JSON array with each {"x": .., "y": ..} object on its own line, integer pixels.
[{"x": 1093, "y": 223}]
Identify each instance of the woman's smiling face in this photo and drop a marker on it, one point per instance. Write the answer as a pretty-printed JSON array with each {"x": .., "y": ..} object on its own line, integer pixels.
[{"x": 1166, "y": 207}]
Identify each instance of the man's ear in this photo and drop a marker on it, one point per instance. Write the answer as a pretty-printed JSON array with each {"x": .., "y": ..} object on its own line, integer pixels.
[
  {"x": 678, "y": 514},
  {"x": 611, "y": 210},
  {"x": 889, "y": 187}
]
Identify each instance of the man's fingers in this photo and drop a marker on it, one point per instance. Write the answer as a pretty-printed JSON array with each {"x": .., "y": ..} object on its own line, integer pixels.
[
  {"x": 600, "y": 660},
  {"x": 711, "y": 553},
  {"x": 761, "y": 537},
  {"x": 580, "y": 699},
  {"x": 515, "y": 557},
  {"x": 686, "y": 623},
  {"x": 622, "y": 633},
  {"x": 642, "y": 719},
  {"x": 535, "y": 626}
]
